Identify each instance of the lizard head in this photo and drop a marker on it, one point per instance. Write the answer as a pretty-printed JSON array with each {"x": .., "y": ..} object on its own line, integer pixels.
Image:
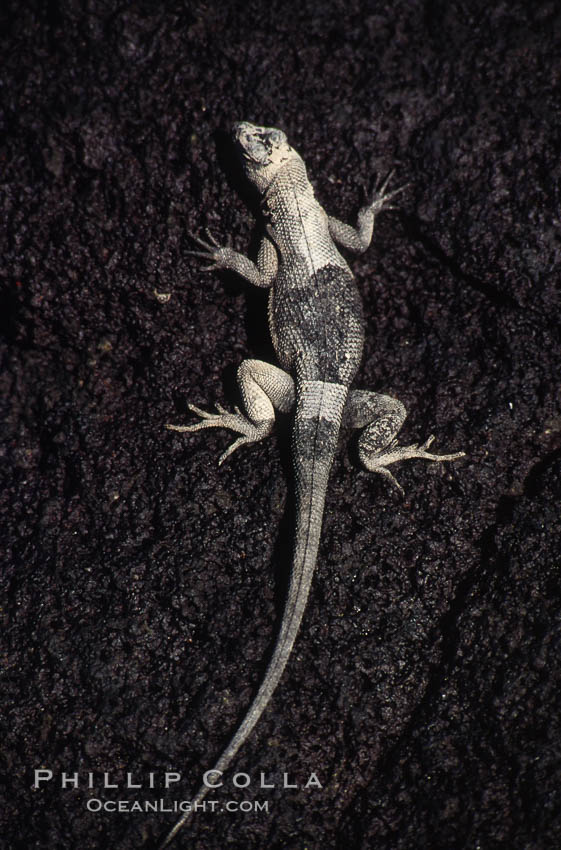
[{"x": 264, "y": 151}]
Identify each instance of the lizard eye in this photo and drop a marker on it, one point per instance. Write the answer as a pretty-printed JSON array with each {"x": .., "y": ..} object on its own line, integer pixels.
[{"x": 277, "y": 137}]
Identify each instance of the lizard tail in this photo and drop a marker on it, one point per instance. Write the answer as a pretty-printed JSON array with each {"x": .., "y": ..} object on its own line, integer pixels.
[{"x": 314, "y": 441}]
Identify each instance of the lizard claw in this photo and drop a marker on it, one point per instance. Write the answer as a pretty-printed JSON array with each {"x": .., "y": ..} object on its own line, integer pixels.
[
  {"x": 381, "y": 198},
  {"x": 382, "y": 470},
  {"x": 249, "y": 431},
  {"x": 420, "y": 450},
  {"x": 211, "y": 238},
  {"x": 218, "y": 257},
  {"x": 381, "y": 188},
  {"x": 198, "y": 241},
  {"x": 379, "y": 460},
  {"x": 208, "y": 249}
]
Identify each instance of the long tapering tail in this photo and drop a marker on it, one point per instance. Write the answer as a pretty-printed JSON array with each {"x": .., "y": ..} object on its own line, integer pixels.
[{"x": 314, "y": 441}]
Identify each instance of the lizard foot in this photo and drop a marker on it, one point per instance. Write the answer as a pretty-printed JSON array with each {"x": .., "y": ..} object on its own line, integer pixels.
[
  {"x": 379, "y": 461},
  {"x": 249, "y": 431},
  {"x": 382, "y": 199},
  {"x": 218, "y": 256}
]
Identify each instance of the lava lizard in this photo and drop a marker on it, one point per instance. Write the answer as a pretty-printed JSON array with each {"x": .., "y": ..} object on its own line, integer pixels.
[{"x": 316, "y": 325}]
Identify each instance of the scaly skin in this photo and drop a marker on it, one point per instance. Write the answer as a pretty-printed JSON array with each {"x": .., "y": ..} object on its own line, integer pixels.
[{"x": 315, "y": 320}]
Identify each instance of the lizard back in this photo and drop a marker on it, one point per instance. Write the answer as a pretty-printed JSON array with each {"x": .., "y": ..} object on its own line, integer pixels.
[{"x": 315, "y": 311}]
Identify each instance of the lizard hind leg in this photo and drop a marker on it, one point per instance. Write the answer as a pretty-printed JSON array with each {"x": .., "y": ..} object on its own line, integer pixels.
[
  {"x": 382, "y": 416},
  {"x": 264, "y": 388}
]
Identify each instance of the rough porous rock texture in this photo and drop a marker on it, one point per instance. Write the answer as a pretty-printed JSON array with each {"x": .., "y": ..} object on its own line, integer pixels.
[{"x": 141, "y": 585}]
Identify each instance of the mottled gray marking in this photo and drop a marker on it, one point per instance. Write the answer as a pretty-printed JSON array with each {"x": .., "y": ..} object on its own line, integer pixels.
[{"x": 323, "y": 323}]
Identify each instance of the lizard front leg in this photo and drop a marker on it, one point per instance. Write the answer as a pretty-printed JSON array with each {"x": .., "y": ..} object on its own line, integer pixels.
[
  {"x": 262, "y": 273},
  {"x": 357, "y": 239},
  {"x": 382, "y": 416},
  {"x": 264, "y": 388}
]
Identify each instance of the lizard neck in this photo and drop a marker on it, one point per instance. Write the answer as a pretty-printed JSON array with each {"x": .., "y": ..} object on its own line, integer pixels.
[{"x": 290, "y": 181}]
